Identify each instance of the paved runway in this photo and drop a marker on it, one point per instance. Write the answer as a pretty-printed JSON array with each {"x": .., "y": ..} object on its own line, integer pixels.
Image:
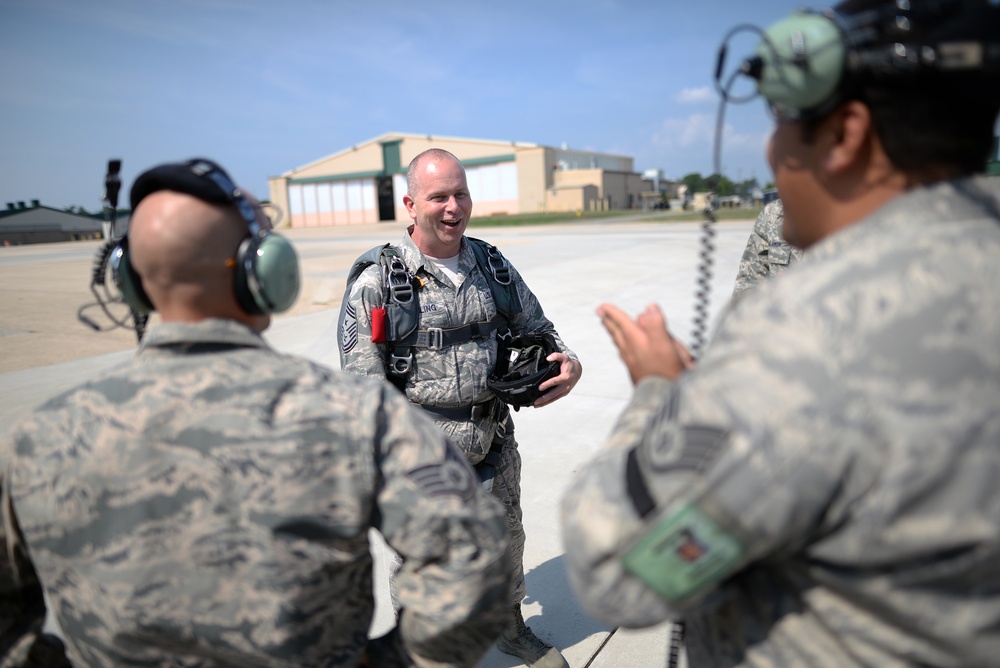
[{"x": 572, "y": 269}]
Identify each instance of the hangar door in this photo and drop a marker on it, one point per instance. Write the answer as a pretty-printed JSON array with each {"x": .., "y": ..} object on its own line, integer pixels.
[
  {"x": 349, "y": 202},
  {"x": 493, "y": 188}
]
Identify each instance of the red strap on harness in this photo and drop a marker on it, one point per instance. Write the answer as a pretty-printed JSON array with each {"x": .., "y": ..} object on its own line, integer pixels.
[{"x": 378, "y": 325}]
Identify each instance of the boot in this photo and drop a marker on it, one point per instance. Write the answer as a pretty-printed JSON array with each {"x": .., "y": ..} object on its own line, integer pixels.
[{"x": 520, "y": 641}]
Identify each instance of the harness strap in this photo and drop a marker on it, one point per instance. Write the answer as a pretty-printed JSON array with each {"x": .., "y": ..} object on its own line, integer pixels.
[
  {"x": 473, "y": 412},
  {"x": 635, "y": 484},
  {"x": 437, "y": 338}
]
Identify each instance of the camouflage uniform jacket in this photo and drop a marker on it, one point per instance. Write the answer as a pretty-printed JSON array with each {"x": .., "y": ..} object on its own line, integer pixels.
[
  {"x": 454, "y": 376},
  {"x": 209, "y": 502},
  {"x": 767, "y": 252},
  {"x": 823, "y": 484},
  {"x": 22, "y": 603}
]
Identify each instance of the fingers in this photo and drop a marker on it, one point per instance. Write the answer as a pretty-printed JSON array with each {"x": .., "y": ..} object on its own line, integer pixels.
[
  {"x": 684, "y": 354},
  {"x": 557, "y": 392},
  {"x": 564, "y": 371},
  {"x": 617, "y": 322},
  {"x": 652, "y": 319},
  {"x": 645, "y": 345},
  {"x": 559, "y": 386}
]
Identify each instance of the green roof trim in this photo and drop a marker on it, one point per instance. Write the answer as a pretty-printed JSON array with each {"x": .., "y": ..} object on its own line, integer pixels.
[
  {"x": 492, "y": 160},
  {"x": 330, "y": 178}
]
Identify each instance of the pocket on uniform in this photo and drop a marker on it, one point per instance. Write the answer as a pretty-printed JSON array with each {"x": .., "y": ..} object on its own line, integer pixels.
[{"x": 779, "y": 254}]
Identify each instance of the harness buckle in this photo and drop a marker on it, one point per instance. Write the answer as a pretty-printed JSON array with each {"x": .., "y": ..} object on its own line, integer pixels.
[
  {"x": 435, "y": 338},
  {"x": 498, "y": 266},
  {"x": 398, "y": 282},
  {"x": 400, "y": 365}
]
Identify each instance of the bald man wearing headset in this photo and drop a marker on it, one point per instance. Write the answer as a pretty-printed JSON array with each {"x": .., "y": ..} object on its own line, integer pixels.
[{"x": 208, "y": 502}]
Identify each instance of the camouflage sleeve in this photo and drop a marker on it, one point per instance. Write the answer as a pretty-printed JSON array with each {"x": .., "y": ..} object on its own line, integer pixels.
[
  {"x": 358, "y": 353},
  {"x": 22, "y": 604},
  {"x": 705, "y": 476},
  {"x": 754, "y": 263},
  {"x": 454, "y": 584},
  {"x": 532, "y": 318}
]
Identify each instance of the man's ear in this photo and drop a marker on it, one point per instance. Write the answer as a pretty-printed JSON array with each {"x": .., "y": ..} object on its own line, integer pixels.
[
  {"x": 849, "y": 141},
  {"x": 408, "y": 203}
]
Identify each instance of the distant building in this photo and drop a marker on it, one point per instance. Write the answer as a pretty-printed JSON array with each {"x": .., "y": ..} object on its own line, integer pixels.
[
  {"x": 768, "y": 196},
  {"x": 366, "y": 183},
  {"x": 35, "y": 224},
  {"x": 703, "y": 200}
]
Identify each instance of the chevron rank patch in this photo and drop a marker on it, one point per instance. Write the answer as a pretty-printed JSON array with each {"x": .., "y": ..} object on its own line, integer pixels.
[
  {"x": 349, "y": 334},
  {"x": 451, "y": 476},
  {"x": 683, "y": 555}
]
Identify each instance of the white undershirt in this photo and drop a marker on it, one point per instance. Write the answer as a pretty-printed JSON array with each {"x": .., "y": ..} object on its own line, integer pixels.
[{"x": 448, "y": 265}]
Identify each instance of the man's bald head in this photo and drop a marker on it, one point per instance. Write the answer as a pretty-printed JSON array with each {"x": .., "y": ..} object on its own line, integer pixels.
[
  {"x": 183, "y": 249},
  {"x": 426, "y": 161}
]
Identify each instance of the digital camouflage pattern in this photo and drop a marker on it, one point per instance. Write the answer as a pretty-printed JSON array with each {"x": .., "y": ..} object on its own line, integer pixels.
[
  {"x": 22, "y": 603},
  {"x": 767, "y": 253},
  {"x": 454, "y": 376},
  {"x": 824, "y": 481},
  {"x": 209, "y": 502}
]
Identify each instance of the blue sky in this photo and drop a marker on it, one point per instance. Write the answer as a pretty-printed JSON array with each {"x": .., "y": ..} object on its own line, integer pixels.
[{"x": 264, "y": 87}]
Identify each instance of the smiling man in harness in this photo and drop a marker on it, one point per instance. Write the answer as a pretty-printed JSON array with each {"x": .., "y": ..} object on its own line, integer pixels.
[{"x": 433, "y": 316}]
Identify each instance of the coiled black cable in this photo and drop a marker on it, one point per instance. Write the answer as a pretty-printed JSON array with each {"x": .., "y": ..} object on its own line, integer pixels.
[
  {"x": 702, "y": 295},
  {"x": 103, "y": 297},
  {"x": 703, "y": 290}
]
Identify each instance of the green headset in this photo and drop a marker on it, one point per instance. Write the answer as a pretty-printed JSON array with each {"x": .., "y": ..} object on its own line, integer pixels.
[
  {"x": 805, "y": 63},
  {"x": 266, "y": 273}
]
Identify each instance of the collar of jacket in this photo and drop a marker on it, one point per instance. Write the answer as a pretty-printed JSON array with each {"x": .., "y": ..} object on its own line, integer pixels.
[{"x": 212, "y": 330}]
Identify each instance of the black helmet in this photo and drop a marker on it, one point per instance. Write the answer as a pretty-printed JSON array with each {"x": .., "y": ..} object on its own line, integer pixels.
[{"x": 521, "y": 367}]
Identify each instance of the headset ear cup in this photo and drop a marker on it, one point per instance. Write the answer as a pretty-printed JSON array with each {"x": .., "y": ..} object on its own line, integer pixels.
[
  {"x": 267, "y": 274},
  {"x": 803, "y": 59},
  {"x": 276, "y": 270},
  {"x": 241, "y": 288},
  {"x": 127, "y": 280}
]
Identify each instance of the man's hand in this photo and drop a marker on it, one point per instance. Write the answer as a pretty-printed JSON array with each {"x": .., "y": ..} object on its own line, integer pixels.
[
  {"x": 559, "y": 386},
  {"x": 645, "y": 345}
]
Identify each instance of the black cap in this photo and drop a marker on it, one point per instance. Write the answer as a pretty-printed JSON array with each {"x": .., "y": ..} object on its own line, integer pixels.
[{"x": 190, "y": 177}]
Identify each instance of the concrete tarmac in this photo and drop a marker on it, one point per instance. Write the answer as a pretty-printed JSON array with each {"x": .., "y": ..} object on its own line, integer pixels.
[{"x": 572, "y": 268}]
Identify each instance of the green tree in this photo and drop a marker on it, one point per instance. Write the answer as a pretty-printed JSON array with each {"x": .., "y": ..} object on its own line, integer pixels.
[
  {"x": 694, "y": 182},
  {"x": 723, "y": 187},
  {"x": 745, "y": 188}
]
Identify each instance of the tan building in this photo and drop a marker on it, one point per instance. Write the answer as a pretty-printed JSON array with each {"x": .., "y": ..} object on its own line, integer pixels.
[{"x": 366, "y": 183}]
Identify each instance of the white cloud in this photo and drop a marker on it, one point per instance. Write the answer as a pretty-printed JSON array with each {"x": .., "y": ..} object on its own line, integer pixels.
[
  {"x": 684, "y": 132},
  {"x": 695, "y": 95},
  {"x": 684, "y": 145}
]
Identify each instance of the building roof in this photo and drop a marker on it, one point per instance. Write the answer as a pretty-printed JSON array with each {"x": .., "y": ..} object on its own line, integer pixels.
[
  {"x": 38, "y": 218},
  {"x": 390, "y": 136}
]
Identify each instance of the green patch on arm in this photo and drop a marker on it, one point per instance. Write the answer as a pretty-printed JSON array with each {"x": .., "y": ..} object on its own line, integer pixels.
[{"x": 684, "y": 554}]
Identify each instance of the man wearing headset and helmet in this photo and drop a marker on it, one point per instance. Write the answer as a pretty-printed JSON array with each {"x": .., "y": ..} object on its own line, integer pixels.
[
  {"x": 820, "y": 489},
  {"x": 208, "y": 502}
]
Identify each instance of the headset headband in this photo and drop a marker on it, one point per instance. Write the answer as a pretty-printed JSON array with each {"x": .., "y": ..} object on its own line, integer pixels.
[
  {"x": 806, "y": 62},
  {"x": 201, "y": 178}
]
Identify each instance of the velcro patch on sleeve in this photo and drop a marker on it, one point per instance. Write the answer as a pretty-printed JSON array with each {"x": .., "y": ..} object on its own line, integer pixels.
[
  {"x": 684, "y": 554},
  {"x": 451, "y": 476}
]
